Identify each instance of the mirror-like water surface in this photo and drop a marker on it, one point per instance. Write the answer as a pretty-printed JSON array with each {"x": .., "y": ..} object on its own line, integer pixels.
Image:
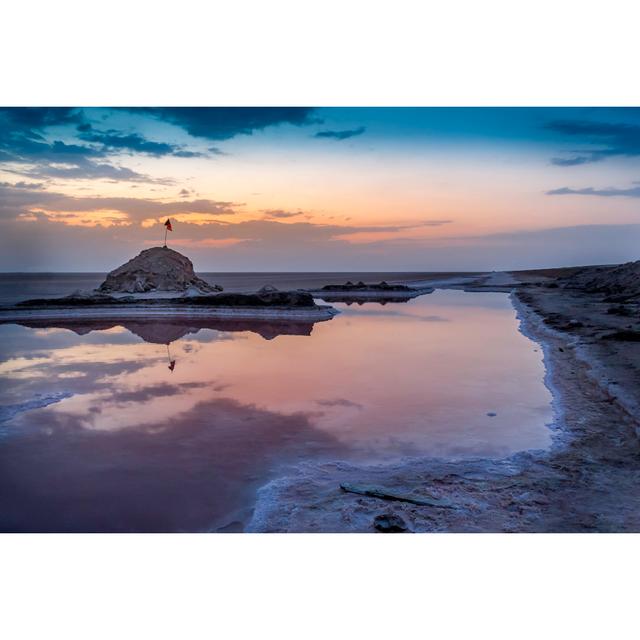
[{"x": 173, "y": 427}]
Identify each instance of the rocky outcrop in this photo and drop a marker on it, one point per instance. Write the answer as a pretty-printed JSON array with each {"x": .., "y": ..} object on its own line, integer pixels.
[
  {"x": 361, "y": 286},
  {"x": 360, "y": 292},
  {"x": 267, "y": 300},
  {"x": 156, "y": 269},
  {"x": 261, "y": 299},
  {"x": 621, "y": 281}
]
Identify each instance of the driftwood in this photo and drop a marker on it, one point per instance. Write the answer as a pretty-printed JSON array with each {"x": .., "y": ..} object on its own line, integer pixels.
[{"x": 373, "y": 492}]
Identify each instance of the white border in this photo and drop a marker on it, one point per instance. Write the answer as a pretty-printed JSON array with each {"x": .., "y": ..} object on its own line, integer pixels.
[
  {"x": 337, "y": 52},
  {"x": 318, "y": 586},
  {"x": 137, "y": 52}
]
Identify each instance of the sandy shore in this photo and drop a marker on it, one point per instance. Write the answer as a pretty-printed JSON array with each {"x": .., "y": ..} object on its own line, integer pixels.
[{"x": 586, "y": 481}]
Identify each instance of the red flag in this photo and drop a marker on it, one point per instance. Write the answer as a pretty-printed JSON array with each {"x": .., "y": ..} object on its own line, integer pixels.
[{"x": 168, "y": 225}]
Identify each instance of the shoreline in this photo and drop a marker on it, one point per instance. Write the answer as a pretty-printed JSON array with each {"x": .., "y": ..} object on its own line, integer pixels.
[
  {"x": 137, "y": 312},
  {"x": 585, "y": 481}
]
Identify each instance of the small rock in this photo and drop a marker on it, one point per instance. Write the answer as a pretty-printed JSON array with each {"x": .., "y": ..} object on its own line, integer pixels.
[
  {"x": 268, "y": 288},
  {"x": 492, "y": 414},
  {"x": 620, "y": 311},
  {"x": 389, "y": 523},
  {"x": 623, "y": 336}
]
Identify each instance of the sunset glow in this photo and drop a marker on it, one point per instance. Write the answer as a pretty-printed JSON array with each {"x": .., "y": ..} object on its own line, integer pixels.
[{"x": 320, "y": 189}]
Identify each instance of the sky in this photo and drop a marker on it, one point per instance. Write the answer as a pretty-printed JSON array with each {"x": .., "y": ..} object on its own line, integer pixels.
[{"x": 320, "y": 189}]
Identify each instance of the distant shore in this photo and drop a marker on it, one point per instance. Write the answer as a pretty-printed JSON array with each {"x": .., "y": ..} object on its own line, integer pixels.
[{"x": 15, "y": 287}]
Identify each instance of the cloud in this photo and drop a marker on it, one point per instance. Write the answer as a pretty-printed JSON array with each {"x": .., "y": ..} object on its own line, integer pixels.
[
  {"x": 223, "y": 123},
  {"x": 435, "y": 223},
  {"x": 271, "y": 245},
  {"x": 200, "y": 219},
  {"x": 631, "y": 192},
  {"x": 576, "y": 160},
  {"x": 339, "y": 402},
  {"x": 280, "y": 234},
  {"x": 613, "y": 139},
  {"x": 340, "y": 135},
  {"x": 37, "y": 118},
  {"x": 48, "y": 231},
  {"x": 112, "y": 140},
  {"x": 279, "y": 213},
  {"x": 29, "y": 152},
  {"x": 23, "y": 185},
  {"x": 82, "y": 169},
  {"x": 25, "y": 138},
  {"x": 18, "y": 201}
]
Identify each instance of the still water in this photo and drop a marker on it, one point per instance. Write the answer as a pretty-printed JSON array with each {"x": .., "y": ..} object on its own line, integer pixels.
[{"x": 173, "y": 427}]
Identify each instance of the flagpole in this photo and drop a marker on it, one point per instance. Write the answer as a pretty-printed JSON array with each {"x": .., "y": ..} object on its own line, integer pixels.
[{"x": 165, "y": 235}]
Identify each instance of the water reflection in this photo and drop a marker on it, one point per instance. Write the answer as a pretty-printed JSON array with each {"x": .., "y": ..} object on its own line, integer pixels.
[
  {"x": 165, "y": 332},
  {"x": 196, "y": 471},
  {"x": 362, "y": 299},
  {"x": 172, "y": 426},
  {"x": 172, "y": 362}
]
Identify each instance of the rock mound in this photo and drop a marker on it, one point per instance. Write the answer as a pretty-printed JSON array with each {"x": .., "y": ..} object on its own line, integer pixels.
[
  {"x": 618, "y": 281},
  {"x": 361, "y": 286},
  {"x": 156, "y": 269}
]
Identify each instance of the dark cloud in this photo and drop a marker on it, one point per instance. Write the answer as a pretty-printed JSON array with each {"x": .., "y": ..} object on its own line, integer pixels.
[
  {"x": 279, "y": 213},
  {"x": 631, "y": 192},
  {"x": 23, "y": 185},
  {"x": 37, "y": 118},
  {"x": 223, "y": 123},
  {"x": 185, "y": 153},
  {"x": 23, "y": 141},
  {"x": 340, "y": 135},
  {"x": 23, "y": 144},
  {"x": 16, "y": 200},
  {"x": 576, "y": 160},
  {"x": 112, "y": 140},
  {"x": 28, "y": 147},
  {"x": 339, "y": 402},
  {"x": 612, "y": 139}
]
